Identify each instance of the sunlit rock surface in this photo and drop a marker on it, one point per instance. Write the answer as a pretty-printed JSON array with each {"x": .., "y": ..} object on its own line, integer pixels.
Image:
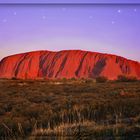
[{"x": 67, "y": 64}]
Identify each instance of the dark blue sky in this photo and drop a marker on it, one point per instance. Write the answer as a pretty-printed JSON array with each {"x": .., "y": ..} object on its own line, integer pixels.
[
  {"x": 69, "y": 1},
  {"x": 102, "y": 28}
]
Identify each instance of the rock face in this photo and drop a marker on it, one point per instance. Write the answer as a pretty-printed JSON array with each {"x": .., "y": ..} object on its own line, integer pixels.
[{"x": 67, "y": 64}]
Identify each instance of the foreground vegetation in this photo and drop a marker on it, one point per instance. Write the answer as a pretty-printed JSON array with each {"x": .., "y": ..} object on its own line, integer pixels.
[{"x": 69, "y": 109}]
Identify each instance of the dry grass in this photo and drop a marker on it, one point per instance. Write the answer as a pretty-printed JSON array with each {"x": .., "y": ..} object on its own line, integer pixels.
[{"x": 69, "y": 107}]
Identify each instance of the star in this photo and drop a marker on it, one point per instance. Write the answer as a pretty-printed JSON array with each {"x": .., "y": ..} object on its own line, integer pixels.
[
  {"x": 44, "y": 17},
  {"x": 119, "y": 11},
  {"x": 90, "y": 17},
  {"x": 113, "y": 22},
  {"x": 4, "y": 20},
  {"x": 15, "y": 13},
  {"x": 63, "y": 9},
  {"x": 135, "y": 10}
]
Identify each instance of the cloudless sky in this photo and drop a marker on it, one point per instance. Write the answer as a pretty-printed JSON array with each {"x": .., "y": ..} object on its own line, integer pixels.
[{"x": 102, "y": 28}]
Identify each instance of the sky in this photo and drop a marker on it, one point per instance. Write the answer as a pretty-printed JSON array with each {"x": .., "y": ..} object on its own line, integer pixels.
[
  {"x": 106, "y": 28},
  {"x": 69, "y": 1}
]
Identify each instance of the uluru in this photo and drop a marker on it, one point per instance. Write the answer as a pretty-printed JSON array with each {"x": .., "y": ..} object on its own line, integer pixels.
[{"x": 67, "y": 64}]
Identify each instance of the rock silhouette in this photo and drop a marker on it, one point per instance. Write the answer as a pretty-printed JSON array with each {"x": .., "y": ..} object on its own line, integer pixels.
[{"x": 67, "y": 64}]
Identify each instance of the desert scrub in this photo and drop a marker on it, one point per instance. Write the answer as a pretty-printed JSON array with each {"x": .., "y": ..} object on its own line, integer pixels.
[{"x": 27, "y": 104}]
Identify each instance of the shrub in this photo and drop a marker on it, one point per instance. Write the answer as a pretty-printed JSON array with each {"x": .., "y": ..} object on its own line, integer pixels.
[
  {"x": 101, "y": 79},
  {"x": 123, "y": 78},
  {"x": 88, "y": 81},
  {"x": 2, "y": 111},
  {"x": 64, "y": 80},
  {"x": 73, "y": 79},
  {"x": 14, "y": 78},
  {"x": 132, "y": 79}
]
